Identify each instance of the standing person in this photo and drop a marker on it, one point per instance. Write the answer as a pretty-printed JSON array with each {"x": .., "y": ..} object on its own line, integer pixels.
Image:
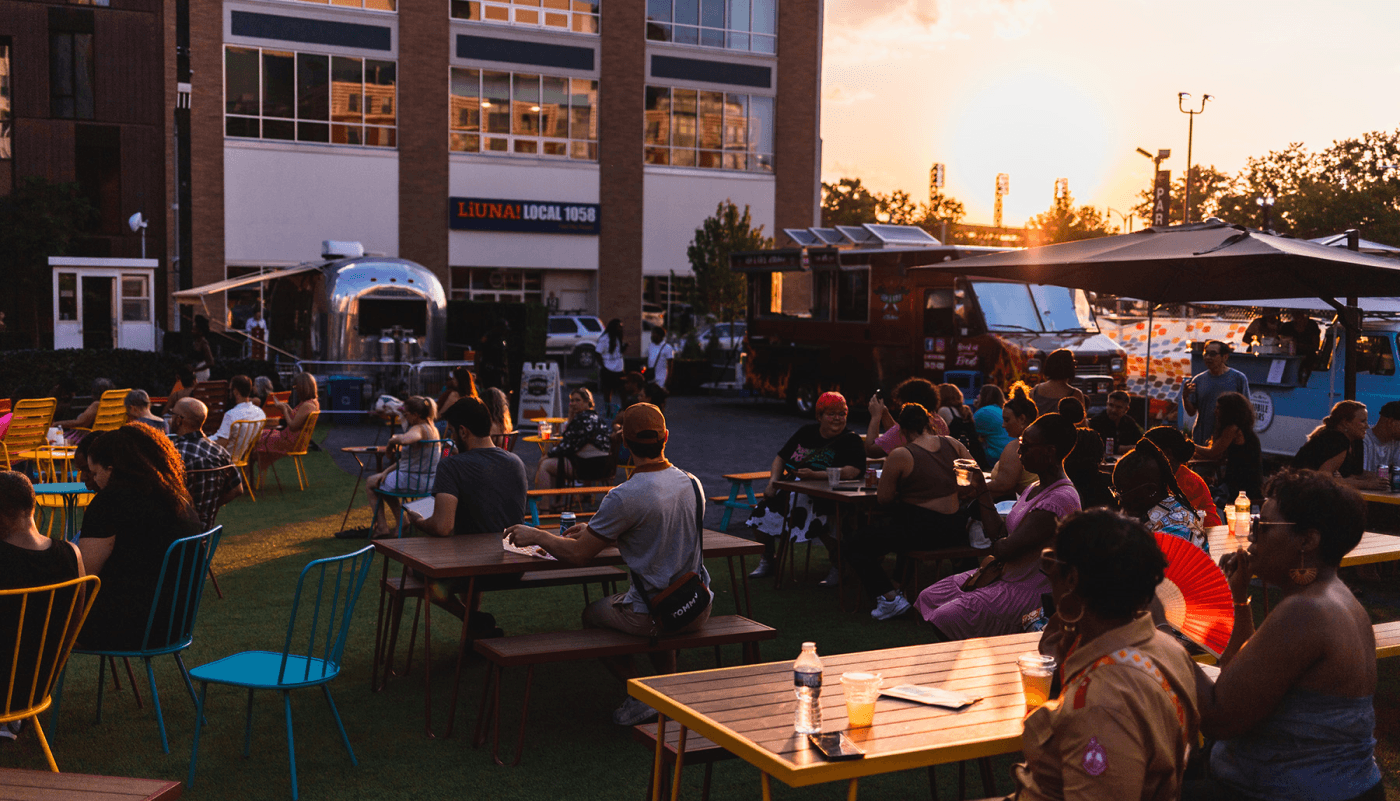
[
  {"x": 1058, "y": 371},
  {"x": 653, "y": 519},
  {"x": 1335, "y": 446},
  {"x": 910, "y": 390},
  {"x": 987, "y": 420},
  {"x": 1127, "y": 714},
  {"x": 806, "y": 456},
  {"x": 210, "y": 476},
  {"x": 1292, "y": 711},
  {"x": 610, "y": 350},
  {"x": 1115, "y": 422},
  {"x": 257, "y": 331},
  {"x": 141, "y": 507},
  {"x": 493, "y": 355},
  {"x": 1199, "y": 395},
  {"x": 1179, "y": 451},
  {"x": 1234, "y": 441},
  {"x": 201, "y": 355},
  {"x": 659, "y": 360},
  {"x": 138, "y": 410},
  {"x": 241, "y": 387},
  {"x": 1382, "y": 442}
]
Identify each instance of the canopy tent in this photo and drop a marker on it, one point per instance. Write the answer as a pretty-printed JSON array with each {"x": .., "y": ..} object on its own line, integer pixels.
[
  {"x": 1204, "y": 262},
  {"x": 1363, "y": 245},
  {"x": 197, "y": 294}
]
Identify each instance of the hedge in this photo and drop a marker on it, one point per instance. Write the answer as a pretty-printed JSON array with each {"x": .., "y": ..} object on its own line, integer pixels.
[{"x": 34, "y": 373}]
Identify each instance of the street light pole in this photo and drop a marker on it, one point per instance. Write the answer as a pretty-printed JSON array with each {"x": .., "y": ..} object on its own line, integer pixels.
[
  {"x": 1127, "y": 219},
  {"x": 1190, "y": 132}
]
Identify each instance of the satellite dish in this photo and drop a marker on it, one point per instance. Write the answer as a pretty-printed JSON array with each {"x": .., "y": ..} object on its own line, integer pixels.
[{"x": 136, "y": 222}]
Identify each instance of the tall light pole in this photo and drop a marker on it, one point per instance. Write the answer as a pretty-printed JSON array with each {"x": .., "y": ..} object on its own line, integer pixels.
[
  {"x": 1160, "y": 200},
  {"x": 1127, "y": 219},
  {"x": 1181, "y": 98},
  {"x": 1267, "y": 204},
  {"x": 1003, "y": 189}
]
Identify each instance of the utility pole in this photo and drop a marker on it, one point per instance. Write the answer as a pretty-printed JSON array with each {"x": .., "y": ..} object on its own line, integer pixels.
[{"x": 1190, "y": 132}]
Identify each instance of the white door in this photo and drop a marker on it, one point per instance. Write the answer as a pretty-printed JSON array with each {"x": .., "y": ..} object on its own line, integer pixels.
[
  {"x": 68, "y": 319},
  {"x": 135, "y": 328}
]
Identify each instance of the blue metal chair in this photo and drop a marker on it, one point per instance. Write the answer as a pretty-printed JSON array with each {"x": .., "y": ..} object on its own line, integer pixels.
[
  {"x": 413, "y": 474},
  {"x": 337, "y": 582},
  {"x": 180, "y": 588}
]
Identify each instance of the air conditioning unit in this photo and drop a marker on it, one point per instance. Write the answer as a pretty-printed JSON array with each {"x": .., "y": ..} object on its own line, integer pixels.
[{"x": 333, "y": 249}]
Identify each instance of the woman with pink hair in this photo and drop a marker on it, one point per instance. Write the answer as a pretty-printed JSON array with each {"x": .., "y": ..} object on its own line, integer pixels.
[{"x": 806, "y": 456}]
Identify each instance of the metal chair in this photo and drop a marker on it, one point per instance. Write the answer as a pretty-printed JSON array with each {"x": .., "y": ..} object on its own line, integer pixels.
[
  {"x": 336, "y": 582},
  {"x": 111, "y": 411},
  {"x": 299, "y": 449},
  {"x": 242, "y": 439},
  {"x": 181, "y": 586},
  {"x": 412, "y": 476},
  {"x": 45, "y": 622},
  {"x": 29, "y": 425}
]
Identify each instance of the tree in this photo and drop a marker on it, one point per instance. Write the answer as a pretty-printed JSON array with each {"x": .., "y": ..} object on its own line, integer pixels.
[
  {"x": 1208, "y": 187},
  {"x": 846, "y": 202},
  {"x": 38, "y": 220},
  {"x": 1064, "y": 223},
  {"x": 718, "y": 289}
]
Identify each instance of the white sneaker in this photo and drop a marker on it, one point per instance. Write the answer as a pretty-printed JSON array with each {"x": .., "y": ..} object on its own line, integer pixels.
[
  {"x": 633, "y": 712},
  {"x": 764, "y": 569},
  {"x": 977, "y": 536},
  {"x": 886, "y": 608}
]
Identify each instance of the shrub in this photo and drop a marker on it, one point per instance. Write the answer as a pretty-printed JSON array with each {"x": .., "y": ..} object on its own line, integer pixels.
[{"x": 33, "y": 373}]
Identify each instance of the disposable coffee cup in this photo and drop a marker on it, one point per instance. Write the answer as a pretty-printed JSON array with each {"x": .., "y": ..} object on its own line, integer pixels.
[
  {"x": 1036, "y": 672},
  {"x": 833, "y": 477},
  {"x": 861, "y": 691},
  {"x": 964, "y": 468}
]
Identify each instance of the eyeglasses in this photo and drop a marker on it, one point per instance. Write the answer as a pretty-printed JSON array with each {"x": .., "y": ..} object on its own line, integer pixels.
[
  {"x": 1118, "y": 494},
  {"x": 1212, "y": 353},
  {"x": 1047, "y": 559}
]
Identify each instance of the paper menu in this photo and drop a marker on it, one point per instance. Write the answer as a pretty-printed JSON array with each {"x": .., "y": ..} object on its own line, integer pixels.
[
  {"x": 532, "y": 550},
  {"x": 932, "y": 696}
]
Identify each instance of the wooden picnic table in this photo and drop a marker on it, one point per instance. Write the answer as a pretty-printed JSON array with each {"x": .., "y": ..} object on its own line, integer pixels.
[
  {"x": 1372, "y": 548},
  {"x": 28, "y": 784},
  {"x": 740, "y": 482},
  {"x": 859, "y": 496},
  {"x": 1381, "y": 496},
  {"x": 474, "y": 556},
  {"x": 748, "y": 710}
]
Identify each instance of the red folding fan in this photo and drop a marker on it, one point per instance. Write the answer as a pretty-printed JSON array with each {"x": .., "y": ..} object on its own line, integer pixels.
[{"x": 1195, "y": 594}]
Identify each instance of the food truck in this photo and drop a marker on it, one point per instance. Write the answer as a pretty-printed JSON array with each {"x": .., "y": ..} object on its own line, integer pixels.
[{"x": 888, "y": 302}]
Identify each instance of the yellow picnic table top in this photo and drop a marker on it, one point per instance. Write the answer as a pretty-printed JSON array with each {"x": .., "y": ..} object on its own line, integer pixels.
[
  {"x": 1381, "y": 496},
  {"x": 1372, "y": 548}
]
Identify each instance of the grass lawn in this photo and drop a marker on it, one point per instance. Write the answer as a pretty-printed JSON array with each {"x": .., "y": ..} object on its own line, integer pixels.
[{"x": 572, "y": 748}]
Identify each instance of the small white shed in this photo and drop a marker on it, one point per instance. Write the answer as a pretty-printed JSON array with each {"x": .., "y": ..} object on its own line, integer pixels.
[{"x": 103, "y": 303}]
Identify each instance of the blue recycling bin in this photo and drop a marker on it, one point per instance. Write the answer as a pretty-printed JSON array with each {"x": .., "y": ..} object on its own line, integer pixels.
[{"x": 346, "y": 393}]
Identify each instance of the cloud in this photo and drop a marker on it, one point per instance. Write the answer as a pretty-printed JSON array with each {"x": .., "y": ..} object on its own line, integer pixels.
[
  {"x": 862, "y": 31},
  {"x": 838, "y": 95}
]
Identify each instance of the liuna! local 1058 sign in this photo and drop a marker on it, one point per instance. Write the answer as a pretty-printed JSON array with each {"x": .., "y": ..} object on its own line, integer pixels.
[{"x": 522, "y": 216}]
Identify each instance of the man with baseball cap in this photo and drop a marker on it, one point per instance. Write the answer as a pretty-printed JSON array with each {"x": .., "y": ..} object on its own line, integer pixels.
[{"x": 651, "y": 518}]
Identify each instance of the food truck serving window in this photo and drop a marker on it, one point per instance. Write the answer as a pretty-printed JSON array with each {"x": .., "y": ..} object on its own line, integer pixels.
[
  {"x": 853, "y": 296},
  {"x": 377, "y": 314}
]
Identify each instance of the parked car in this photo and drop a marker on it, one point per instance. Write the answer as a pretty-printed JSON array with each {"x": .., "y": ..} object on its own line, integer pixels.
[
  {"x": 573, "y": 339},
  {"x": 729, "y": 335}
]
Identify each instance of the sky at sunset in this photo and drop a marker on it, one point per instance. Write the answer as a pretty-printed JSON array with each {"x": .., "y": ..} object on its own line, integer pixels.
[{"x": 1047, "y": 89}]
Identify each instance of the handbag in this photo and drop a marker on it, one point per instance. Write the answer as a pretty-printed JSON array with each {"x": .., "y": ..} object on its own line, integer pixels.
[
  {"x": 988, "y": 572},
  {"x": 681, "y": 603}
]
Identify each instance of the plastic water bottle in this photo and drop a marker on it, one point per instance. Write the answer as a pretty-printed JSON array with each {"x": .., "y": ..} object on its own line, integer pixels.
[
  {"x": 807, "y": 679},
  {"x": 1241, "y": 516},
  {"x": 566, "y": 522}
]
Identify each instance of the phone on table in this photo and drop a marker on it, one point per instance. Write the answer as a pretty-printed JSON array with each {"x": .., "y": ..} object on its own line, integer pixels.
[{"x": 836, "y": 746}]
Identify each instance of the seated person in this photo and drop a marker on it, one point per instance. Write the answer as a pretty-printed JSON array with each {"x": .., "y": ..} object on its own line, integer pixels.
[
  {"x": 653, "y": 520},
  {"x": 632, "y": 383},
  {"x": 958, "y": 417},
  {"x": 210, "y": 475},
  {"x": 1009, "y": 475},
  {"x": 241, "y": 388},
  {"x": 806, "y": 456},
  {"x": 656, "y": 395},
  {"x": 138, "y": 410},
  {"x": 993, "y": 599},
  {"x": 141, "y": 507},
  {"x": 583, "y": 451},
  {"x": 88, "y": 415},
  {"x": 1114, "y": 423},
  {"x": 919, "y": 508},
  {"x": 1382, "y": 443},
  {"x": 460, "y": 384},
  {"x": 1083, "y": 467},
  {"x": 1147, "y": 490},
  {"x": 1234, "y": 441},
  {"x": 262, "y": 390},
  {"x": 415, "y": 467},
  {"x": 183, "y": 386},
  {"x": 1127, "y": 711},
  {"x": 1179, "y": 450},
  {"x": 1292, "y": 711},
  {"x": 499, "y": 406},
  {"x": 987, "y": 420},
  {"x": 1335, "y": 446},
  {"x": 275, "y": 444},
  {"x": 910, "y": 390}
]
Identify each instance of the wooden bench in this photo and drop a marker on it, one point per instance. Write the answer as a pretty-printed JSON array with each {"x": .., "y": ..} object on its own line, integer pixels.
[
  {"x": 914, "y": 559},
  {"x": 1387, "y": 639},
  {"x": 529, "y": 650},
  {"x": 738, "y": 482},
  {"x": 15, "y": 783},
  {"x": 532, "y": 498}
]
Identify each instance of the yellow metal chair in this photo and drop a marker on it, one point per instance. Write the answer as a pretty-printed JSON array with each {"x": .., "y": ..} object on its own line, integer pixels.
[
  {"x": 29, "y": 425},
  {"x": 44, "y": 622},
  {"x": 299, "y": 449},
  {"x": 111, "y": 411},
  {"x": 242, "y": 439}
]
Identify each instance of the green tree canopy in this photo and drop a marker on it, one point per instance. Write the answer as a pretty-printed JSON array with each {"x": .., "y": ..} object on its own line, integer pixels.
[
  {"x": 1062, "y": 222},
  {"x": 718, "y": 289},
  {"x": 848, "y": 202},
  {"x": 38, "y": 220}
]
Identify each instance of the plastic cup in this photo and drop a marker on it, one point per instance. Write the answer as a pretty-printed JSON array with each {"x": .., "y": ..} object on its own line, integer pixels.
[
  {"x": 546, "y": 430},
  {"x": 833, "y": 477},
  {"x": 964, "y": 468},
  {"x": 861, "y": 691},
  {"x": 1036, "y": 672}
]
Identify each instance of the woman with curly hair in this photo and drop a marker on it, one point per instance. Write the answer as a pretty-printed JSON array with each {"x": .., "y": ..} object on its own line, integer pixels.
[
  {"x": 1234, "y": 441},
  {"x": 141, "y": 507}
]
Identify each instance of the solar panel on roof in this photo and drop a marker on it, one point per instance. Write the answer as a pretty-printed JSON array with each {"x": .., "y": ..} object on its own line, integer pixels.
[
  {"x": 860, "y": 236},
  {"x": 901, "y": 234},
  {"x": 830, "y": 236},
  {"x": 803, "y": 237}
]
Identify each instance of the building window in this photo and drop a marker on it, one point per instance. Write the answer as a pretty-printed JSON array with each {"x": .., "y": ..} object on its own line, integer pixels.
[
  {"x": 136, "y": 299},
  {"x": 7, "y": 136},
  {"x": 750, "y": 25},
  {"x": 515, "y": 113},
  {"x": 368, "y": 5},
  {"x": 853, "y": 296},
  {"x": 70, "y": 75},
  {"x": 713, "y": 130},
  {"x": 496, "y": 284},
  {"x": 579, "y": 16},
  {"x": 309, "y": 97}
]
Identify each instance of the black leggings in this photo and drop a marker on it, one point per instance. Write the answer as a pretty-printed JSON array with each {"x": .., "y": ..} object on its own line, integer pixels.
[{"x": 904, "y": 527}]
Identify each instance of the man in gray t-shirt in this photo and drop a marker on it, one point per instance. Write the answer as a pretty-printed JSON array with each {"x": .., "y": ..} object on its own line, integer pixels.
[
  {"x": 1199, "y": 394},
  {"x": 651, "y": 518}
]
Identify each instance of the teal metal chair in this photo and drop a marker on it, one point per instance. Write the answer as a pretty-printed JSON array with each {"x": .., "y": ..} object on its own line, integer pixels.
[
  {"x": 336, "y": 582},
  {"x": 412, "y": 475},
  {"x": 169, "y": 622}
]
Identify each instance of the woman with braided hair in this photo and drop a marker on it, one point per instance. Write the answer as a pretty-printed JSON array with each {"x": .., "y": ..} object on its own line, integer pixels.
[{"x": 1147, "y": 489}]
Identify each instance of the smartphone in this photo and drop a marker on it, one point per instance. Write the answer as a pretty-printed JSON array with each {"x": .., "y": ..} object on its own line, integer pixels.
[{"x": 836, "y": 746}]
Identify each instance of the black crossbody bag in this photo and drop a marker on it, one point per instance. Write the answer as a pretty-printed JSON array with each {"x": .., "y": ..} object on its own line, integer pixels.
[{"x": 680, "y": 604}]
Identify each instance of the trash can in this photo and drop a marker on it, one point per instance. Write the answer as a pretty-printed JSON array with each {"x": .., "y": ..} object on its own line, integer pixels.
[{"x": 345, "y": 392}]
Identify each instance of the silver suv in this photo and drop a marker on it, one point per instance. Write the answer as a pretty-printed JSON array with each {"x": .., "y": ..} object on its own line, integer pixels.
[{"x": 573, "y": 339}]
